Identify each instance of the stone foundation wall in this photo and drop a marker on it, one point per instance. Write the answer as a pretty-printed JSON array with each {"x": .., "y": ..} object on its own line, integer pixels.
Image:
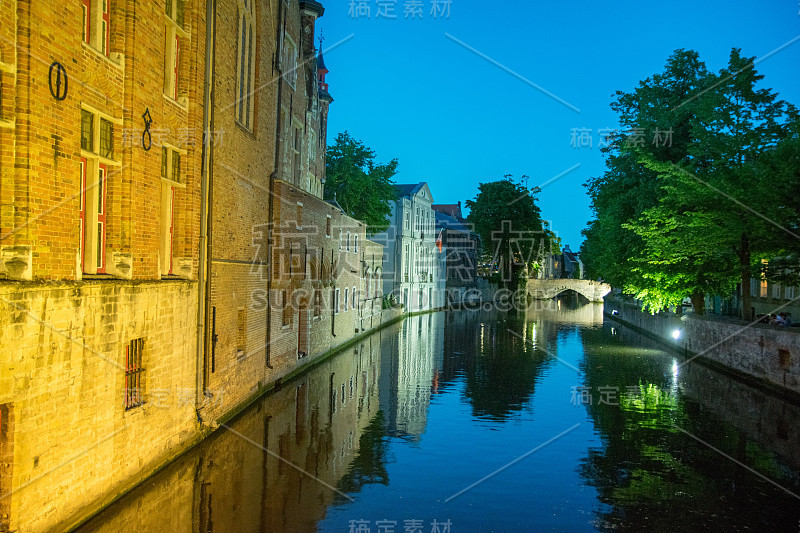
[
  {"x": 768, "y": 353},
  {"x": 62, "y": 385}
]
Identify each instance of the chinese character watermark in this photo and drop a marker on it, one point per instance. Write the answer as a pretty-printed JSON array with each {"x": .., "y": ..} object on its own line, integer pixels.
[
  {"x": 388, "y": 9},
  {"x": 633, "y": 138},
  {"x": 394, "y": 526}
]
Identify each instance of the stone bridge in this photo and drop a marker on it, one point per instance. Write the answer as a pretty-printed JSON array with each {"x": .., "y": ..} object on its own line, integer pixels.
[{"x": 545, "y": 289}]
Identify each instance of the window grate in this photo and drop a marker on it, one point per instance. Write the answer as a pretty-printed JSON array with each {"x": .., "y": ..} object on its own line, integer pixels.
[{"x": 134, "y": 394}]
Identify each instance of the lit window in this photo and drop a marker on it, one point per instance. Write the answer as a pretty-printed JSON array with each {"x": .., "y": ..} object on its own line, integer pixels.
[
  {"x": 175, "y": 37},
  {"x": 97, "y": 24},
  {"x": 170, "y": 180},
  {"x": 97, "y": 152},
  {"x": 245, "y": 64},
  {"x": 106, "y": 139}
]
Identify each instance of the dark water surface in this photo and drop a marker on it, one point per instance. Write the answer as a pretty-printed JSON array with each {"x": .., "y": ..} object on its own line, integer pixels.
[{"x": 549, "y": 420}]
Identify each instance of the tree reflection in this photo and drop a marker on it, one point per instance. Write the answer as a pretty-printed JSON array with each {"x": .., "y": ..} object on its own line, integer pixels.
[
  {"x": 500, "y": 366},
  {"x": 649, "y": 473},
  {"x": 369, "y": 465}
]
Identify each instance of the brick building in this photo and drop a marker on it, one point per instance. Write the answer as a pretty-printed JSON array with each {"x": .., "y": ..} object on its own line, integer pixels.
[
  {"x": 99, "y": 248},
  {"x": 243, "y": 113},
  {"x": 150, "y": 282}
]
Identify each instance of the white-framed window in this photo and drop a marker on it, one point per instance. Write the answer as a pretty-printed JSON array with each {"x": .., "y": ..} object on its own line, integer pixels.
[
  {"x": 346, "y": 298},
  {"x": 348, "y": 241},
  {"x": 175, "y": 39},
  {"x": 289, "y": 61},
  {"x": 790, "y": 293},
  {"x": 97, "y": 24},
  {"x": 296, "y": 162},
  {"x": 97, "y": 157},
  {"x": 355, "y": 245},
  {"x": 336, "y": 301},
  {"x": 776, "y": 290},
  {"x": 355, "y": 298},
  {"x": 171, "y": 179},
  {"x": 245, "y": 64},
  {"x": 327, "y": 226}
]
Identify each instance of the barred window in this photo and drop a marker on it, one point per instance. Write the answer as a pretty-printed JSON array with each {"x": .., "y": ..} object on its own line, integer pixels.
[
  {"x": 287, "y": 309},
  {"x": 245, "y": 67},
  {"x": 317, "y": 302},
  {"x": 134, "y": 393}
]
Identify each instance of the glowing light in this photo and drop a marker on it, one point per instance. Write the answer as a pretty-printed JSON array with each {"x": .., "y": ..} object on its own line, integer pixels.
[
  {"x": 676, "y": 334},
  {"x": 675, "y": 369}
]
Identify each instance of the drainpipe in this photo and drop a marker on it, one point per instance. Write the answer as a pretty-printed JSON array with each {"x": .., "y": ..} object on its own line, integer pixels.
[
  {"x": 278, "y": 128},
  {"x": 205, "y": 208}
]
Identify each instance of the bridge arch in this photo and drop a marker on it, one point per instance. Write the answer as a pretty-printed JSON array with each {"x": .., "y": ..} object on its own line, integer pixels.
[{"x": 546, "y": 289}]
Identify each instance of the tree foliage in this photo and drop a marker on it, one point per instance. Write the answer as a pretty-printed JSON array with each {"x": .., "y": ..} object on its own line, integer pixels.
[
  {"x": 363, "y": 188},
  {"x": 695, "y": 215},
  {"x": 508, "y": 221}
]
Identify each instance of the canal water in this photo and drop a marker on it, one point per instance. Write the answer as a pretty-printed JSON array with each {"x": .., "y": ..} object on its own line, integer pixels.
[{"x": 547, "y": 420}]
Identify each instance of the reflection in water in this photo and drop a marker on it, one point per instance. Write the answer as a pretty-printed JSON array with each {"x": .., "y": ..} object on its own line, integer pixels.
[
  {"x": 653, "y": 468},
  {"x": 386, "y": 432}
]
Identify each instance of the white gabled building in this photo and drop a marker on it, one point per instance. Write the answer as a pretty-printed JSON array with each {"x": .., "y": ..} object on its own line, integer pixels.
[{"x": 413, "y": 265}]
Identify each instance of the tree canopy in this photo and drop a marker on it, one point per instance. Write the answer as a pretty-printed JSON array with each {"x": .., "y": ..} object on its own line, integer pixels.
[
  {"x": 695, "y": 194},
  {"x": 363, "y": 188},
  {"x": 508, "y": 221}
]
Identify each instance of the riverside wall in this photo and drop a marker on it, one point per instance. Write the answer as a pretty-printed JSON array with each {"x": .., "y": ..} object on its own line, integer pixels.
[{"x": 765, "y": 353}]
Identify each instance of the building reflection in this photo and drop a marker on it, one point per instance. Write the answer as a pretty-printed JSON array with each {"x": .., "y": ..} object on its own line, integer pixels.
[
  {"x": 280, "y": 464},
  {"x": 408, "y": 378}
]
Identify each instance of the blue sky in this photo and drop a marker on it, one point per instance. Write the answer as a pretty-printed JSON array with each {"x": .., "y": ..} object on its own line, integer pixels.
[{"x": 455, "y": 119}]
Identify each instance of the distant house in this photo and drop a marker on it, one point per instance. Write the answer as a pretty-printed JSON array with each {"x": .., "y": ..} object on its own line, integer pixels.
[
  {"x": 460, "y": 247},
  {"x": 566, "y": 265},
  {"x": 413, "y": 266},
  {"x": 451, "y": 210},
  {"x": 571, "y": 265}
]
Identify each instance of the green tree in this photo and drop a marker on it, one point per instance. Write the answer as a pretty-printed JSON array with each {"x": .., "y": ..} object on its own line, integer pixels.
[
  {"x": 706, "y": 208},
  {"x": 720, "y": 200},
  {"x": 364, "y": 189},
  {"x": 508, "y": 221},
  {"x": 657, "y": 127}
]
